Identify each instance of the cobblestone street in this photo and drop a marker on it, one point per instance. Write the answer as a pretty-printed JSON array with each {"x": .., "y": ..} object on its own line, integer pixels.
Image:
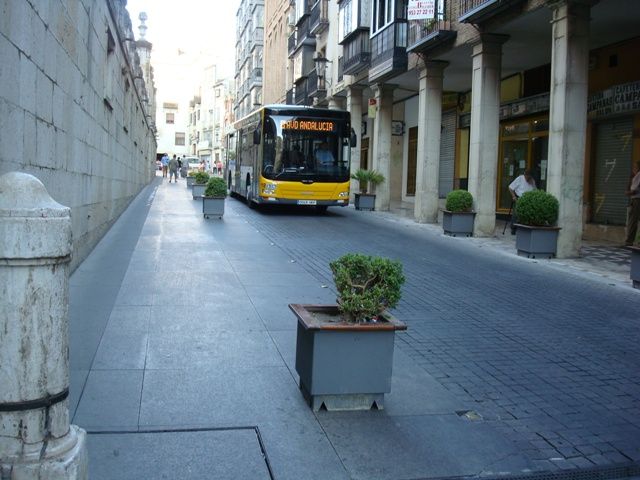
[{"x": 549, "y": 358}]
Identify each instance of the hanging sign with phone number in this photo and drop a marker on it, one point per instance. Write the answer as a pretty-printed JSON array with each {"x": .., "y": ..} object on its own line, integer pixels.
[{"x": 421, "y": 9}]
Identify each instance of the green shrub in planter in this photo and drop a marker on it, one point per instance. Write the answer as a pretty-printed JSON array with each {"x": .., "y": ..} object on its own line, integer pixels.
[
  {"x": 366, "y": 285},
  {"x": 192, "y": 173},
  {"x": 459, "y": 201},
  {"x": 216, "y": 187},
  {"x": 537, "y": 208},
  {"x": 201, "y": 177},
  {"x": 368, "y": 179}
]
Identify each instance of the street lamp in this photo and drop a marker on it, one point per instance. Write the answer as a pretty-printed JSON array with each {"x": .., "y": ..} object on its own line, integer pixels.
[{"x": 321, "y": 67}]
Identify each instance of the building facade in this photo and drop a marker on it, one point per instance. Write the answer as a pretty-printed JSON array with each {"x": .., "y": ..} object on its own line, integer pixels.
[
  {"x": 76, "y": 103},
  {"x": 207, "y": 118},
  {"x": 279, "y": 25},
  {"x": 478, "y": 93},
  {"x": 249, "y": 56}
]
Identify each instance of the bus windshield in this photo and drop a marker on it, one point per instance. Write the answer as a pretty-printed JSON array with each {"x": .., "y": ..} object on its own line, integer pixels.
[{"x": 298, "y": 148}]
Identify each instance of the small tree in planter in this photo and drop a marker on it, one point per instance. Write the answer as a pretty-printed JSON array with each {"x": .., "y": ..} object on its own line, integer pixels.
[
  {"x": 199, "y": 184},
  {"x": 344, "y": 352},
  {"x": 536, "y": 230},
  {"x": 368, "y": 180},
  {"x": 457, "y": 217},
  {"x": 213, "y": 198}
]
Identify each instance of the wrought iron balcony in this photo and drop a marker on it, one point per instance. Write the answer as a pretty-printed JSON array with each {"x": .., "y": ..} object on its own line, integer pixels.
[
  {"x": 356, "y": 53},
  {"x": 389, "y": 51},
  {"x": 479, "y": 11},
  {"x": 302, "y": 96},
  {"x": 319, "y": 19},
  {"x": 316, "y": 85},
  {"x": 289, "y": 97},
  {"x": 425, "y": 35}
]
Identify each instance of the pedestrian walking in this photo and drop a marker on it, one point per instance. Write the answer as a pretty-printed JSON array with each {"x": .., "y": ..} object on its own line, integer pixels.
[
  {"x": 173, "y": 169},
  {"x": 634, "y": 212},
  {"x": 165, "y": 165},
  {"x": 522, "y": 184}
]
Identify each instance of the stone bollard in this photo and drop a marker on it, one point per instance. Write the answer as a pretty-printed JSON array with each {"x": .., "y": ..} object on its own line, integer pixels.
[{"x": 36, "y": 440}]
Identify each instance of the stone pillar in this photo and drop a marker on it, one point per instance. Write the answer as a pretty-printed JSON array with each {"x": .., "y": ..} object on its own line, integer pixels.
[
  {"x": 485, "y": 129},
  {"x": 354, "y": 105},
  {"x": 381, "y": 158},
  {"x": 429, "y": 129},
  {"x": 568, "y": 118},
  {"x": 36, "y": 440}
]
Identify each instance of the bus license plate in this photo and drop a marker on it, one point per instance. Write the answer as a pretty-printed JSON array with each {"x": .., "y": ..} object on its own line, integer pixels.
[{"x": 306, "y": 202}]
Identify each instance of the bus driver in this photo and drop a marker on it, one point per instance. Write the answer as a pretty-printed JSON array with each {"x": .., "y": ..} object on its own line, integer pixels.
[{"x": 323, "y": 155}]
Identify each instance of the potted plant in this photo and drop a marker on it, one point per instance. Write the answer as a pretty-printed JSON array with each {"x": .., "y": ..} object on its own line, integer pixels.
[
  {"x": 213, "y": 198},
  {"x": 368, "y": 180},
  {"x": 536, "y": 230},
  {"x": 344, "y": 352},
  {"x": 191, "y": 175},
  {"x": 199, "y": 184},
  {"x": 457, "y": 217}
]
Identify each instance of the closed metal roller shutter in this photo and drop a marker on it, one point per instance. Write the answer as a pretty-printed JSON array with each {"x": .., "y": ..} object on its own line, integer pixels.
[
  {"x": 612, "y": 171},
  {"x": 447, "y": 152}
]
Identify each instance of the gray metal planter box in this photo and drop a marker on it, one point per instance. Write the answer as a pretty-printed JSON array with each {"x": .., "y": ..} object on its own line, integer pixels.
[
  {"x": 198, "y": 190},
  {"x": 536, "y": 242},
  {"x": 213, "y": 207},
  {"x": 190, "y": 181},
  {"x": 458, "y": 223},
  {"x": 344, "y": 366},
  {"x": 365, "y": 201},
  {"x": 635, "y": 266}
]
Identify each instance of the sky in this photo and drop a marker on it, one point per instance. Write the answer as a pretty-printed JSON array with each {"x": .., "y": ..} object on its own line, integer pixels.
[{"x": 202, "y": 29}]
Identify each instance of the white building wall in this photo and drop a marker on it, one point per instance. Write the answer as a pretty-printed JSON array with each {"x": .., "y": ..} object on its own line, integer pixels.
[{"x": 69, "y": 110}]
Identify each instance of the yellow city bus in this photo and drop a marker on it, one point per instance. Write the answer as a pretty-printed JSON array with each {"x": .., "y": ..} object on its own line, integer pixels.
[{"x": 292, "y": 155}]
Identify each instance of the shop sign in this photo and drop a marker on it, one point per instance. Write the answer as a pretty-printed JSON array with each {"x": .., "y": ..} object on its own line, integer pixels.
[
  {"x": 618, "y": 99},
  {"x": 526, "y": 106},
  {"x": 421, "y": 9}
]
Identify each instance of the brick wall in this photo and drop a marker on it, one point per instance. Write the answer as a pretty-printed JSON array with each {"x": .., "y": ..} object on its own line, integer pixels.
[{"x": 71, "y": 108}]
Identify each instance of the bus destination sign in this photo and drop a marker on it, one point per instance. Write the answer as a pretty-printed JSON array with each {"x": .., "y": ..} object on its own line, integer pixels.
[{"x": 309, "y": 125}]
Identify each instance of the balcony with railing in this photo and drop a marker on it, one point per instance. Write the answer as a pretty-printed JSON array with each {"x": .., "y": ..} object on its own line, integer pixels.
[
  {"x": 303, "y": 34},
  {"x": 389, "y": 52},
  {"x": 257, "y": 37},
  {"x": 255, "y": 80},
  {"x": 316, "y": 85},
  {"x": 301, "y": 94},
  {"x": 479, "y": 11},
  {"x": 356, "y": 53},
  {"x": 427, "y": 34},
  {"x": 319, "y": 18},
  {"x": 289, "y": 100}
]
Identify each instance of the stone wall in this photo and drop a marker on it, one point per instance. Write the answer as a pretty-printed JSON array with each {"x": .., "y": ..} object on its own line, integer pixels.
[{"x": 73, "y": 108}]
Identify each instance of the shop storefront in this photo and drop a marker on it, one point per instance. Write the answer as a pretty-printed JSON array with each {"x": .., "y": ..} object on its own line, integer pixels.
[{"x": 613, "y": 113}]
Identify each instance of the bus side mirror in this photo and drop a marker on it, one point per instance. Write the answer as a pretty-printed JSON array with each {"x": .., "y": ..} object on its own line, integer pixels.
[
  {"x": 353, "y": 141},
  {"x": 256, "y": 137}
]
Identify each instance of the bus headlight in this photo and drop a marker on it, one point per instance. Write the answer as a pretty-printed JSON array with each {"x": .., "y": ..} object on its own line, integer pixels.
[
  {"x": 343, "y": 194},
  {"x": 269, "y": 189}
]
